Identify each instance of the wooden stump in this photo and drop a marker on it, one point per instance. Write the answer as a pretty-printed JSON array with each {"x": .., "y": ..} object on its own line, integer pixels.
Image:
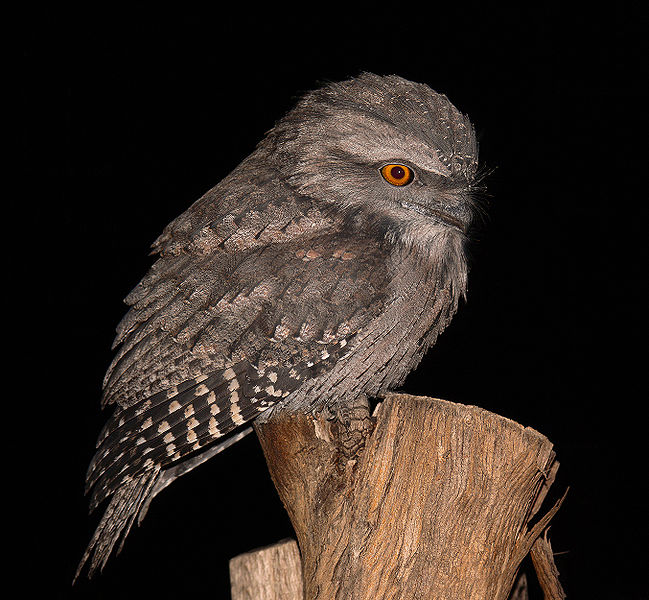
[
  {"x": 436, "y": 503},
  {"x": 272, "y": 573}
]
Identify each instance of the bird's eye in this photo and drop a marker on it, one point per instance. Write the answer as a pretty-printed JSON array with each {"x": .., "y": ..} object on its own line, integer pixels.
[{"x": 397, "y": 174}]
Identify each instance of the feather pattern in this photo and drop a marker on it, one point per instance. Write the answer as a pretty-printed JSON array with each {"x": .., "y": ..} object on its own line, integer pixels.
[
  {"x": 302, "y": 280},
  {"x": 117, "y": 520}
]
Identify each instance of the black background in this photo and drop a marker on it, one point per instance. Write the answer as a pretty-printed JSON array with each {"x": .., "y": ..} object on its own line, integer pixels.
[{"x": 131, "y": 113}]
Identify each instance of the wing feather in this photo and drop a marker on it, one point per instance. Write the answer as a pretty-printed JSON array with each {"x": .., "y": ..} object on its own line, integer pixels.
[
  {"x": 281, "y": 323},
  {"x": 249, "y": 300}
]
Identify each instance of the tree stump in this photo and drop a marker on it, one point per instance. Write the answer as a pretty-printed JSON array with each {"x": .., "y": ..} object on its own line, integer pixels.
[
  {"x": 435, "y": 502},
  {"x": 272, "y": 573}
]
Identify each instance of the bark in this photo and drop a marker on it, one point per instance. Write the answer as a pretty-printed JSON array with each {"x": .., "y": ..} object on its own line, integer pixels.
[
  {"x": 272, "y": 573},
  {"x": 520, "y": 589},
  {"x": 546, "y": 570},
  {"x": 433, "y": 500}
]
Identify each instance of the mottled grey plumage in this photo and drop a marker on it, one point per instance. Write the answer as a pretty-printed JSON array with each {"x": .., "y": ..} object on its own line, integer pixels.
[{"x": 304, "y": 279}]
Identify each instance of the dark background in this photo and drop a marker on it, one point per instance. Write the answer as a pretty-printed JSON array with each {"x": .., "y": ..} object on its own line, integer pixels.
[{"x": 130, "y": 114}]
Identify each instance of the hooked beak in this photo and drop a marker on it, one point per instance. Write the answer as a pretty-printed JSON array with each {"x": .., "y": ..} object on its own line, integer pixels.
[{"x": 458, "y": 218}]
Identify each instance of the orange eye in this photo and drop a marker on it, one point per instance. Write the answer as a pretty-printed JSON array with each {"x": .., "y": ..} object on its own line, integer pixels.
[{"x": 397, "y": 174}]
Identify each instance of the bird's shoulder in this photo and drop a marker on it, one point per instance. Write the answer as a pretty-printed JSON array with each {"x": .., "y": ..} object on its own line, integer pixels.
[
  {"x": 244, "y": 271},
  {"x": 222, "y": 340}
]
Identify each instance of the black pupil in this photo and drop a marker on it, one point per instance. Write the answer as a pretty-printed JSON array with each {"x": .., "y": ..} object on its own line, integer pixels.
[{"x": 398, "y": 172}]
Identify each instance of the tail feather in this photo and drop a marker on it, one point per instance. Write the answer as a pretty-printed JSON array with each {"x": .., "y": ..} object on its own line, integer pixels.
[{"x": 116, "y": 522}]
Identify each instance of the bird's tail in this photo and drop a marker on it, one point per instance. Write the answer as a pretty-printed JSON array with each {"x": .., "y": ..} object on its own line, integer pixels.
[{"x": 125, "y": 505}]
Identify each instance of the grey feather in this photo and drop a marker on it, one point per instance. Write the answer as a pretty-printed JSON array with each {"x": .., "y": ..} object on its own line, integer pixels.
[{"x": 304, "y": 280}]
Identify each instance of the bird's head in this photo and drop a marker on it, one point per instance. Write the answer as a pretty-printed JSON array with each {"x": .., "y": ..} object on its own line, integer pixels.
[{"x": 394, "y": 155}]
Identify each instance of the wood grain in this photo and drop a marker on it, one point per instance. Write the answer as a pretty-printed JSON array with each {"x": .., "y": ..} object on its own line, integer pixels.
[
  {"x": 271, "y": 573},
  {"x": 437, "y": 503}
]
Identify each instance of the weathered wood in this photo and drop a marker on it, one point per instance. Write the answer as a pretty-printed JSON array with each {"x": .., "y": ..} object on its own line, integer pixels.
[
  {"x": 520, "y": 589},
  {"x": 546, "y": 570},
  {"x": 436, "y": 504},
  {"x": 271, "y": 573}
]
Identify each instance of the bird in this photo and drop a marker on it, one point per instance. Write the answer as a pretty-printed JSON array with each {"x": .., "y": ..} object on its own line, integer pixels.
[{"x": 313, "y": 277}]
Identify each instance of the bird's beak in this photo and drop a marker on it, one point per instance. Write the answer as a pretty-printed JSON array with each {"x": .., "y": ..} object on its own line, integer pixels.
[
  {"x": 450, "y": 218},
  {"x": 455, "y": 214}
]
